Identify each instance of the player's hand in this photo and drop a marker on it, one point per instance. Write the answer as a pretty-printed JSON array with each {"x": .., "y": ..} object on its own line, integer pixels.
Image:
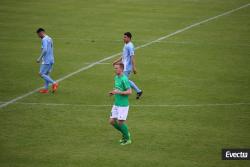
[
  {"x": 115, "y": 92},
  {"x": 38, "y": 61},
  {"x": 134, "y": 70}
]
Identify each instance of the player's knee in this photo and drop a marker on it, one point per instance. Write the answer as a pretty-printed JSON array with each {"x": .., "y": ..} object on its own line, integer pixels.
[
  {"x": 40, "y": 74},
  {"x": 120, "y": 122},
  {"x": 112, "y": 121}
]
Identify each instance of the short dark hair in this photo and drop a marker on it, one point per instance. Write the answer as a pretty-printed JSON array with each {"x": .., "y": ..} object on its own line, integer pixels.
[
  {"x": 128, "y": 34},
  {"x": 40, "y": 30},
  {"x": 120, "y": 64}
]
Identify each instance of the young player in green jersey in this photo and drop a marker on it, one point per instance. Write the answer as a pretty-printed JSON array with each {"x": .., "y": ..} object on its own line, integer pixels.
[{"x": 120, "y": 107}]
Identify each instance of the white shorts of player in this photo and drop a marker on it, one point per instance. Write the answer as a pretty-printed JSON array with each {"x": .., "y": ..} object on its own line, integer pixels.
[{"x": 119, "y": 113}]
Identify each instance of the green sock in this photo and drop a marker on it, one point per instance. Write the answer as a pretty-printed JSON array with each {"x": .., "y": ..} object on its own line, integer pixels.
[
  {"x": 117, "y": 126},
  {"x": 124, "y": 130}
]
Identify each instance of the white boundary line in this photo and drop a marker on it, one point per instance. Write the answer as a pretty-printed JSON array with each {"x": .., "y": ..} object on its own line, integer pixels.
[
  {"x": 138, "y": 105},
  {"x": 99, "y": 63},
  {"x": 117, "y": 54}
]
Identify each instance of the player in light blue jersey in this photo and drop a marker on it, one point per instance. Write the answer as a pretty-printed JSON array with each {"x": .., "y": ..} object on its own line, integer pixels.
[
  {"x": 128, "y": 59},
  {"x": 46, "y": 59}
]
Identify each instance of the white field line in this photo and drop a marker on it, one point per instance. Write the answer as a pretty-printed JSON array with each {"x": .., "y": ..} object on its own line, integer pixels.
[
  {"x": 117, "y": 54},
  {"x": 99, "y": 63},
  {"x": 140, "y": 105}
]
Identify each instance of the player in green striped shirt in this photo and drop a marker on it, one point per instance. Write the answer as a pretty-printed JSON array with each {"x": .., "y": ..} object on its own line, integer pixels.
[{"x": 120, "y": 108}]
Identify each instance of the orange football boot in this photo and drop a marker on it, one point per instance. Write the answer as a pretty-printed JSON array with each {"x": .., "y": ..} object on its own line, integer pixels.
[{"x": 54, "y": 87}]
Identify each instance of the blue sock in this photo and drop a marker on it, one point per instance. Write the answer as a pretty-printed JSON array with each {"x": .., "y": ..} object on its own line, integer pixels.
[
  {"x": 133, "y": 85},
  {"x": 46, "y": 85},
  {"x": 47, "y": 78}
]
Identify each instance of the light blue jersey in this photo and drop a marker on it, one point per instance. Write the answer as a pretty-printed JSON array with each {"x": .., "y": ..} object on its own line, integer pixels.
[
  {"x": 47, "y": 49},
  {"x": 128, "y": 53}
]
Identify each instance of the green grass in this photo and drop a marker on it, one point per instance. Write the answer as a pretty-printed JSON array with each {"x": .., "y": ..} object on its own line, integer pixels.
[{"x": 207, "y": 64}]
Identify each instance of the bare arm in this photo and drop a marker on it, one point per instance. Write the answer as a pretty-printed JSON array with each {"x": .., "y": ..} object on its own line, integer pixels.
[
  {"x": 44, "y": 51},
  {"x": 127, "y": 92},
  {"x": 133, "y": 64}
]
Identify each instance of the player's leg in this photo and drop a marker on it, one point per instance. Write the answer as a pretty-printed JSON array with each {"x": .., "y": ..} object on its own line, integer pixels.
[
  {"x": 113, "y": 121},
  {"x": 113, "y": 118},
  {"x": 44, "y": 73},
  {"x": 43, "y": 70},
  {"x": 134, "y": 86},
  {"x": 122, "y": 116},
  {"x": 55, "y": 84},
  {"x": 46, "y": 85}
]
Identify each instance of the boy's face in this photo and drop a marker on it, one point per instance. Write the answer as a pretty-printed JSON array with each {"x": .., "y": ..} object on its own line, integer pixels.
[
  {"x": 118, "y": 69},
  {"x": 126, "y": 39},
  {"x": 41, "y": 34}
]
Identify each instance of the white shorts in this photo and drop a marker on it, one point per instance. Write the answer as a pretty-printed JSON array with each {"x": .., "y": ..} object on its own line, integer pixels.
[{"x": 119, "y": 113}]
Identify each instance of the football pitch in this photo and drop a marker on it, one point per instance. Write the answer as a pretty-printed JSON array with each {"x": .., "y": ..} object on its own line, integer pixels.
[{"x": 193, "y": 65}]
